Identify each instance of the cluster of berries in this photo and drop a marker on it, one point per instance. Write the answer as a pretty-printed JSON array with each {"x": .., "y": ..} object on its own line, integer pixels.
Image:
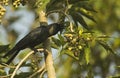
[
  {"x": 5, "y": 2},
  {"x": 2, "y": 12},
  {"x": 16, "y": 3}
]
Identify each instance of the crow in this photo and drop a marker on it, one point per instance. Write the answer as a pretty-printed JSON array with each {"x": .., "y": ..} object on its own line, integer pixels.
[{"x": 34, "y": 38}]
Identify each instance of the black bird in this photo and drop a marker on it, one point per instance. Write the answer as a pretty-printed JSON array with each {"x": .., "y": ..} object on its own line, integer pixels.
[{"x": 34, "y": 38}]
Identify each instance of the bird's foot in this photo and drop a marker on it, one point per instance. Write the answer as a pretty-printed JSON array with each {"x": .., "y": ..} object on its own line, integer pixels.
[{"x": 35, "y": 50}]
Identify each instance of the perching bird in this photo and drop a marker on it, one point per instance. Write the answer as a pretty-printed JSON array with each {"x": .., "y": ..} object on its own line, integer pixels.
[{"x": 34, "y": 38}]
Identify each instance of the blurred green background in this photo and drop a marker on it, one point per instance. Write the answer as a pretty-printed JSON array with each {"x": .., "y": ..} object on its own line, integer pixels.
[{"x": 103, "y": 64}]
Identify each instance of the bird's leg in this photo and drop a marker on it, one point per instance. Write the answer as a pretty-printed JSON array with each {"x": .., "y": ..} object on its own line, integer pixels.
[{"x": 34, "y": 49}]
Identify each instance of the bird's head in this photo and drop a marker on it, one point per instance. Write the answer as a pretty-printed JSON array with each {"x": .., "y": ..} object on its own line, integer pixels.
[{"x": 55, "y": 28}]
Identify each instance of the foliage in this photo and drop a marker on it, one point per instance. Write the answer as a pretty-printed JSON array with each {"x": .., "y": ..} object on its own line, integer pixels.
[{"x": 89, "y": 52}]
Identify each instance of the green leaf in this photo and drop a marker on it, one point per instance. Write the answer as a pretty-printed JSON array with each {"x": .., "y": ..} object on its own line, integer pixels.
[
  {"x": 24, "y": 75},
  {"x": 74, "y": 19},
  {"x": 85, "y": 5},
  {"x": 73, "y": 16},
  {"x": 106, "y": 46},
  {"x": 87, "y": 15},
  {"x": 4, "y": 48},
  {"x": 75, "y": 1},
  {"x": 2, "y": 72},
  {"x": 118, "y": 66},
  {"x": 56, "y": 41},
  {"x": 69, "y": 53},
  {"x": 81, "y": 57},
  {"x": 89, "y": 8},
  {"x": 103, "y": 36},
  {"x": 61, "y": 39},
  {"x": 87, "y": 55},
  {"x": 78, "y": 18},
  {"x": 54, "y": 46},
  {"x": 82, "y": 22},
  {"x": 54, "y": 5},
  {"x": 41, "y": 4},
  {"x": 118, "y": 76}
]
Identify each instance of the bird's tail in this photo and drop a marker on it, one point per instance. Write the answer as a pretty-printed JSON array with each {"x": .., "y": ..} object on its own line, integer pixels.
[
  {"x": 13, "y": 52},
  {"x": 12, "y": 57},
  {"x": 9, "y": 52}
]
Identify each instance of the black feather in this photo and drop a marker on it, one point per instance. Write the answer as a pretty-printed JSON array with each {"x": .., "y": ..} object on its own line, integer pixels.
[{"x": 34, "y": 38}]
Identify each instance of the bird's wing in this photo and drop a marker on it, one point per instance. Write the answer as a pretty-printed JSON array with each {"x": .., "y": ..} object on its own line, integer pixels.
[
  {"x": 29, "y": 39},
  {"x": 34, "y": 38},
  {"x": 12, "y": 57}
]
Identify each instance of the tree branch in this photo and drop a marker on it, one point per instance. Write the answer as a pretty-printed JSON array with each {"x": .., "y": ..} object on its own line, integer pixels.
[
  {"x": 49, "y": 64},
  {"x": 47, "y": 54},
  {"x": 43, "y": 72}
]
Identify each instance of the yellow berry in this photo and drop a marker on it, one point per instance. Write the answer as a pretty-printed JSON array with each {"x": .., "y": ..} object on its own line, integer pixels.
[
  {"x": 70, "y": 48},
  {"x": 18, "y": 0},
  {"x": 88, "y": 38},
  {"x": 71, "y": 38},
  {"x": 2, "y": 13},
  {"x": 74, "y": 40},
  {"x": 80, "y": 47},
  {"x": 14, "y": 3},
  {"x": 6, "y": 4},
  {"x": 3, "y": 10},
  {"x": 80, "y": 32},
  {"x": 1, "y": 7},
  {"x": 16, "y": 6}
]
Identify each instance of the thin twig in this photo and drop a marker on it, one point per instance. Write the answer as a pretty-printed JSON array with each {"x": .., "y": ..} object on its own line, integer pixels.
[
  {"x": 41, "y": 75},
  {"x": 21, "y": 62},
  {"x": 6, "y": 65},
  {"x": 6, "y": 76},
  {"x": 71, "y": 27},
  {"x": 40, "y": 70},
  {"x": 58, "y": 11}
]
